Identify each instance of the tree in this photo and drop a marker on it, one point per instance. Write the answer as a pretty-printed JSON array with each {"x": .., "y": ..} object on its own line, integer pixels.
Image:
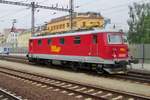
[{"x": 139, "y": 23}]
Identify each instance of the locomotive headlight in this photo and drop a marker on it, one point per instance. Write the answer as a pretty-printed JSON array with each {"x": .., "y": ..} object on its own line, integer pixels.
[{"x": 122, "y": 49}]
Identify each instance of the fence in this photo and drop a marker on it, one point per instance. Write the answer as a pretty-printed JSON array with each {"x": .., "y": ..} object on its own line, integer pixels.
[
  {"x": 19, "y": 50},
  {"x": 141, "y": 52}
]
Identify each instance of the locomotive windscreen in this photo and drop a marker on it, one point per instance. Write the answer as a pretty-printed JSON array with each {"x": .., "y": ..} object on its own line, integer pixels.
[{"x": 114, "y": 39}]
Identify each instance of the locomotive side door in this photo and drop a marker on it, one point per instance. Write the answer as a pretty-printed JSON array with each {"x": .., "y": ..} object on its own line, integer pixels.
[
  {"x": 30, "y": 46},
  {"x": 94, "y": 45}
]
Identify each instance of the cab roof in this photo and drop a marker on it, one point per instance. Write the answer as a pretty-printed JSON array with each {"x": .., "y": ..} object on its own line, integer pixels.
[{"x": 75, "y": 33}]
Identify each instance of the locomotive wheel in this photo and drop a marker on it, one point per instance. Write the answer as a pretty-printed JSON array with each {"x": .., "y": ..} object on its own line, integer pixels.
[
  {"x": 74, "y": 66},
  {"x": 30, "y": 60},
  {"x": 99, "y": 69},
  {"x": 48, "y": 62},
  {"x": 125, "y": 70}
]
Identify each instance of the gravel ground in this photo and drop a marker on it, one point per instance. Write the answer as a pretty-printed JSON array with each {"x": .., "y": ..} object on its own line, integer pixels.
[
  {"x": 83, "y": 77},
  {"x": 31, "y": 92}
]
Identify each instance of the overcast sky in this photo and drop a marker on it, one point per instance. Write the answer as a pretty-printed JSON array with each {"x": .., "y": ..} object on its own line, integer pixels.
[{"x": 116, "y": 10}]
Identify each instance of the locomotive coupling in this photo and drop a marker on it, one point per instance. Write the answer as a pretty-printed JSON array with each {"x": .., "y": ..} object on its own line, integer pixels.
[
  {"x": 134, "y": 61},
  {"x": 122, "y": 62}
]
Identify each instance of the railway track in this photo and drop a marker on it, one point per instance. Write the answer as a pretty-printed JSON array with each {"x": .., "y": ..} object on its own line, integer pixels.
[
  {"x": 136, "y": 77},
  {"x": 79, "y": 90},
  {"x": 5, "y": 95},
  {"x": 132, "y": 76}
]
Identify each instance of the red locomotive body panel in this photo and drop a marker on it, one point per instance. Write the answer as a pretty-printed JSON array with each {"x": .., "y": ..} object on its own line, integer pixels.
[
  {"x": 86, "y": 47},
  {"x": 103, "y": 48}
]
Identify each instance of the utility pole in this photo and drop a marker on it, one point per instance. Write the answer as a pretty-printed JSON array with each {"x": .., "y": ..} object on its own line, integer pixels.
[
  {"x": 32, "y": 17},
  {"x": 71, "y": 11},
  {"x": 33, "y": 6},
  {"x": 13, "y": 25}
]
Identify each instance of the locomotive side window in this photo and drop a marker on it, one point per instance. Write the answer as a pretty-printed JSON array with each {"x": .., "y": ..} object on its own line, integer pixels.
[
  {"x": 39, "y": 42},
  {"x": 62, "y": 41},
  {"x": 94, "y": 39},
  {"x": 77, "y": 40},
  {"x": 49, "y": 41}
]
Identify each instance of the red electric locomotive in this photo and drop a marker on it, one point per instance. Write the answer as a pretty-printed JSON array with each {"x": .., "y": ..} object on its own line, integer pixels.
[{"x": 104, "y": 51}]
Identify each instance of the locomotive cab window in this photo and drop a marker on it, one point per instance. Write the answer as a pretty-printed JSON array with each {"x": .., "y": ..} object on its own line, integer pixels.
[
  {"x": 62, "y": 41},
  {"x": 39, "y": 42},
  {"x": 114, "y": 39},
  {"x": 94, "y": 39},
  {"x": 49, "y": 41},
  {"x": 77, "y": 40}
]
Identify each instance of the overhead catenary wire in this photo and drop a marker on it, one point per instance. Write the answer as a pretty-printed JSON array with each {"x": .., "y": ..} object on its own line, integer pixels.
[
  {"x": 105, "y": 10},
  {"x": 43, "y": 1},
  {"x": 33, "y": 7},
  {"x": 114, "y": 7},
  {"x": 120, "y": 6}
]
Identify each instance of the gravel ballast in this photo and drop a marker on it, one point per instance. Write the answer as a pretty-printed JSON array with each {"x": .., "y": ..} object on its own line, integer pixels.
[
  {"x": 82, "y": 77},
  {"x": 31, "y": 92}
]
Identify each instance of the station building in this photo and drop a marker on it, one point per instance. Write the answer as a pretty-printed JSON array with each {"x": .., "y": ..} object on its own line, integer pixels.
[{"x": 80, "y": 21}]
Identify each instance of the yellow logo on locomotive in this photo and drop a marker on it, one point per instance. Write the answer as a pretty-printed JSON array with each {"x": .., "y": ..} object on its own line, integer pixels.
[{"x": 55, "y": 48}]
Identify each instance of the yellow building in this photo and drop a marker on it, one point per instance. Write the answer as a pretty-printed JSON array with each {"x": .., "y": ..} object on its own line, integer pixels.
[
  {"x": 23, "y": 39},
  {"x": 80, "y": 21},
  {"x": 2, "y": 38}
]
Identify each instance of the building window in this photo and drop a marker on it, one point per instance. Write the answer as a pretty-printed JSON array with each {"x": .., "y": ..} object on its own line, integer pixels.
[
  {"x": 77, "y": 40},
  {"x": 74, "y": 24},
  {"x": 67, "y": 24},
  {"x": 59, "y": 26},
  {"x": 49, "y": 41},
  {"x": 94, "y": 39},
  {"x": 91, "y": 22},
  {"x": 39, "y": 42},
  {"x": 84, "y": 24},
  {"x": 62, "y": 41},
  {"x": 63, "y": 26}
]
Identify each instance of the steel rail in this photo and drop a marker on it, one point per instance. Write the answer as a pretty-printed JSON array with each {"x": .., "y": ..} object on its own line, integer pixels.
[
  {"x": 8, "y": 95},
  {"x": 132, "y": 75},
  {"x": 125, "y": 94}
]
